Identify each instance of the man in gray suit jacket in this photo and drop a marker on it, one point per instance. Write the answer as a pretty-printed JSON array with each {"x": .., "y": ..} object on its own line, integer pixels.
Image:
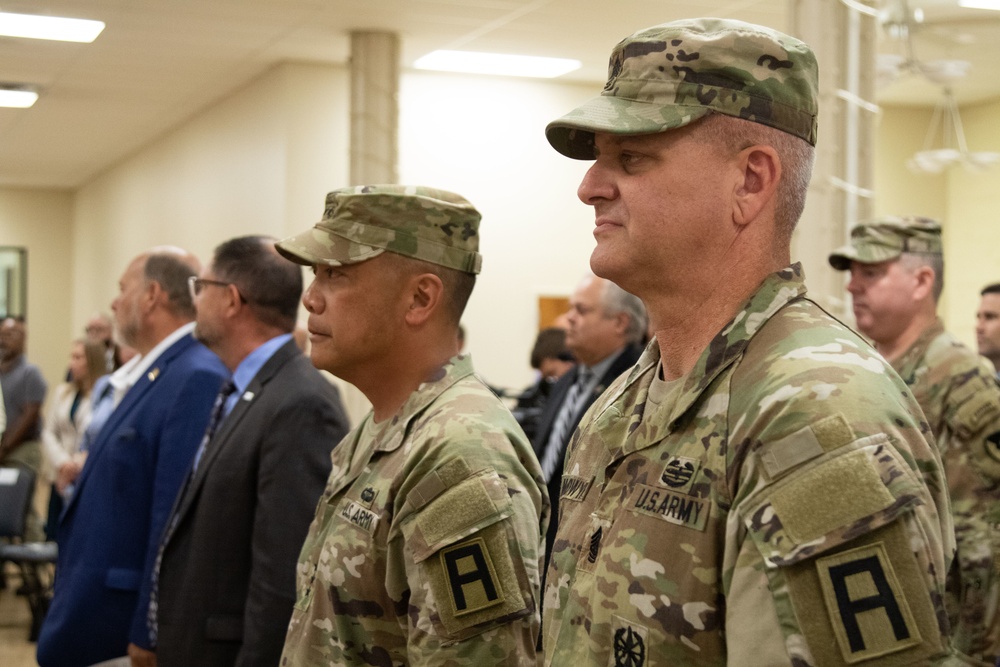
[{"x": 225, "y": 585}]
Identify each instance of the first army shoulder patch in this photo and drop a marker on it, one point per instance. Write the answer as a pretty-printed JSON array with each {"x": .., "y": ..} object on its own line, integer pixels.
[
  {"x": 867, "y": 605},
  {"x": 870, "y": 614},
  {"x": 471, "y": 577}
]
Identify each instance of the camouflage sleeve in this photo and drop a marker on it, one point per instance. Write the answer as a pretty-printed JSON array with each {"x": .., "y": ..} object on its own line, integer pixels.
[
  {"x": 972, "y": 415},
  {"x": 842, "y": 549},
  {"x": 839, "y": 533},
  {"x": 970, "y": 442},
  {"x": 468, "y": 553}
]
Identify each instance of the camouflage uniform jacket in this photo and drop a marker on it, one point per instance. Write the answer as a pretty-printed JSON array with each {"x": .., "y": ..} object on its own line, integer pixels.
[
  {"x": 959, "y": 395},
  {"x": 426, "y": 545},
  {"x": 784, "y": 508}
]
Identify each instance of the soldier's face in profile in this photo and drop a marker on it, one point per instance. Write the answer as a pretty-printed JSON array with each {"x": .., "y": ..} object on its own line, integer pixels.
[
  {"x": 882, "y": 298},
  {"x": 352, "y": 316},
  {"x": 660, "y": 203}
]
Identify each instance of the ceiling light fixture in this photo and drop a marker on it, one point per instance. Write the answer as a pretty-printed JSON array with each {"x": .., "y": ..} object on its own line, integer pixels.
[
  {"x": 980, "y": 4},
  {"x": 17, "y": 97},
  {"x": 57, "y": 28},
  {"x": 953, "y": 148},
  {"x": 471, "y": 62}
]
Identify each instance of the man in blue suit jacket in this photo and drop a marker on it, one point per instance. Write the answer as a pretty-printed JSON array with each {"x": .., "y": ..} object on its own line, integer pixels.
[{"x": 109, "y": 531}]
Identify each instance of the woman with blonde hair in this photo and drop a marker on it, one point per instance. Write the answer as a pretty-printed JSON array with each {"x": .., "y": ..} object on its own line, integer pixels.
[{"x": 66, "y": 422}]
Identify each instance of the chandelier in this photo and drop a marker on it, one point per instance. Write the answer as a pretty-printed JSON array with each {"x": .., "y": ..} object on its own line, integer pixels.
[{"x": 936, "y": 156}]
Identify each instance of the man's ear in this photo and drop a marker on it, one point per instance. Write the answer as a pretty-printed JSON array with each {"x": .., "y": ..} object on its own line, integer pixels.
[
  {"x": 923, "y": 277},
  {"x": 153, "y": 294},
  {"x": 621, "y": 323},
  {"x": 425, "y": 296},
  {"x": 760, "y": 173}
]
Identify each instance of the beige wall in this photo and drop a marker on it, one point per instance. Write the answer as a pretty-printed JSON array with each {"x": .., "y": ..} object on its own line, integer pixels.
[
  {"x": 484, "y": 138},
  {"x": 262, "y": 159},
  {"x": 42, "y": 221},
  {"x": 962, "y": 200}
]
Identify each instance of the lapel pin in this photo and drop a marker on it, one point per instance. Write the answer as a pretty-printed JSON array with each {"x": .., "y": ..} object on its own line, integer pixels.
[
  {"x": 248, "y": 396},
  {"x": 153, "y": 374}
]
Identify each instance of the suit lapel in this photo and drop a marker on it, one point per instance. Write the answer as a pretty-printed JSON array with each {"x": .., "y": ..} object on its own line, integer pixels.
[
  {"x": 133, "y": 397},
  {"x": 221, "y": 439}
]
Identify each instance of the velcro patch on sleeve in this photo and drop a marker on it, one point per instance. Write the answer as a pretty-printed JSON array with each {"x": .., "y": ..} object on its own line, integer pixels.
[
  {"x": 437, "y": 482},
  {"x": 868, "y": 604},
  {"x": 463, "y": 509},
  {"x": 804, "y": 506},
  {"x": 805, "y": 444}
]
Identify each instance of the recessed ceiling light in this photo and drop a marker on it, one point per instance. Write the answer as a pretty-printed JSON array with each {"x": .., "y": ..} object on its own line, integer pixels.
[
  {"x": 49, "y": 27},
  {"x": 980, "y": 4},
  {"x": 472, "y": 62},
  {"x": 18, "y": 98}
]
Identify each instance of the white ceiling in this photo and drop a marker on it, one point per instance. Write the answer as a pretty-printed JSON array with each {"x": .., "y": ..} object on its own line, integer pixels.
[{"x": 160, "y": 61}]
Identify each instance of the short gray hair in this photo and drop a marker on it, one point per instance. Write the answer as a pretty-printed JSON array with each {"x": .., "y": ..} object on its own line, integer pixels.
[
  {"x": 615, "y": 300},
  {"x": 171, "y": 272},
  {"x": 935, "y": 260},
  {"x": 796, "y": 157}
]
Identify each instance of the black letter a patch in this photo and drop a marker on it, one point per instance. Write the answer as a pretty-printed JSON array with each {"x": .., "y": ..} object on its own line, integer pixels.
[{"x": 471, "y": 578}]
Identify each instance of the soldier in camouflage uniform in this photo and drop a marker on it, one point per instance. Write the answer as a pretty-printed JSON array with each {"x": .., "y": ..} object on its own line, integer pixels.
[
  {"x": 897, "y": 275},
  {"x": 426, "y": 546},
  {"x": 758, "y": 489}
]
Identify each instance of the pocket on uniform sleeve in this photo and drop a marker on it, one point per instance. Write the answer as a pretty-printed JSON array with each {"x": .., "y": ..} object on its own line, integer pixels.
[
  {"x": 461, "y": 539},
  {"x": 835, "y": 543}
]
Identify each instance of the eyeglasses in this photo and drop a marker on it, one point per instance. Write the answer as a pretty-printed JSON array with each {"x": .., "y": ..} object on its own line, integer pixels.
[{"x": 196, "y": 285}]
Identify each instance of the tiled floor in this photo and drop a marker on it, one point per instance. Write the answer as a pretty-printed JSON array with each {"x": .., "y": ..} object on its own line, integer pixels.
[{"x": 15, "y": 620}]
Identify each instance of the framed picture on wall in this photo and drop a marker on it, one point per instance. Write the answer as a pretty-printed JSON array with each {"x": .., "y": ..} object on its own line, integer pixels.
[{"x": 13, "y": 281}]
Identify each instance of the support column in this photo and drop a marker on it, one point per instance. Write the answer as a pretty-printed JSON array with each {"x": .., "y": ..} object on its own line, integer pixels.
[
  {"x": 374, "y": 148},
  {"x": 843, "y": 36}
]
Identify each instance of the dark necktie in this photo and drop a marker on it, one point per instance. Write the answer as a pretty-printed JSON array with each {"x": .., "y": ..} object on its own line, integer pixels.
[
  {"x": 561, "y": 430},
  {"x": 218, "y": 412},
  {"x": 218, "y": 409}
]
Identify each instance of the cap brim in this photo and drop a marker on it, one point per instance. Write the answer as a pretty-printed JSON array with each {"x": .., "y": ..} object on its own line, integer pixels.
[
  {"x": 866, "y": 253},
  {"x": 319, "y": 246},
  {"x": 841, "y": 258},
  {"x": 573, "y": 134}
]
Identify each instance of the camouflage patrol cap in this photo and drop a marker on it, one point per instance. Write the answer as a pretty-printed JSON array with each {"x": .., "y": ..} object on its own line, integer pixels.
[
  {"x": 667, "y": 76},
  {"x": 362, "y": 222},
  {"x": 888, "y": 238}
]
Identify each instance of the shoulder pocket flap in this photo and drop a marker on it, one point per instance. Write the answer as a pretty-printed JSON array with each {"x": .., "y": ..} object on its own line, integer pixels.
[
  {"x": 976, "y": 410},
  {"x": 224, "y": 628},
  {"x": 458, "y": 512},
  {"x": 122, "y": 579},
  {"x": 838, "y": 497}
]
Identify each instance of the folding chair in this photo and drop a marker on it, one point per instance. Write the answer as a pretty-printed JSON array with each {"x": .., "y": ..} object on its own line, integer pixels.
[{"x": 17, "y": 487}]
